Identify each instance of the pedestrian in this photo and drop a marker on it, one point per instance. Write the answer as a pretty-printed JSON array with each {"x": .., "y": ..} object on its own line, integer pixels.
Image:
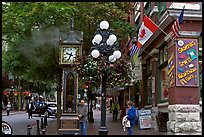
[
  {"x": 30, "y": 108},
  {"x": 131, "y": 115},
  {"x": 115, "y": 108},
  {"x": 83, "y": 110},
  {"x": 8, "y": 108},
  {"x": 123, "y": 113}
]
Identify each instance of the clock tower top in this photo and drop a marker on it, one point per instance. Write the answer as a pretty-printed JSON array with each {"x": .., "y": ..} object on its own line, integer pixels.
[{"x": 70, "y": 48}]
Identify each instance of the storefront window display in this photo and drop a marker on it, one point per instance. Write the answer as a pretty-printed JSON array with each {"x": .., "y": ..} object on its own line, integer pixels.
[
  {"x": 163, "y": 73},
  {"x": 164, "y": 83}
]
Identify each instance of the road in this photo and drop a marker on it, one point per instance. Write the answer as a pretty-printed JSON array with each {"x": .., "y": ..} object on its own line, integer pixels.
[{"x": 19, "y": 122}]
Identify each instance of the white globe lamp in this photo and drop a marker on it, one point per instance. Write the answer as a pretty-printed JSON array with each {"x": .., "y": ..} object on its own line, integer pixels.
[
  {"x": 112, "y": 38},
  {"x": 111, "y": 58},
  {"x": 97, "y": 38},
  {"x": 117, "y": 54},
  {"x": 95, "y": 53},
  {"x": 93, "y": 41},
  {"x": 104, "y": 25},
  {"x": 108, "y": 42}
]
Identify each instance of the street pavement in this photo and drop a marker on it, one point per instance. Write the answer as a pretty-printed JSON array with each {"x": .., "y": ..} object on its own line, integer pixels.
[{"x": 114, "y": 128}]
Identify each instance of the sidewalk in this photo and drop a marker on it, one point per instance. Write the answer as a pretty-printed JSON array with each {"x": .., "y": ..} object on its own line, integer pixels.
[
  {"x": 114, "y": 128},
  {"x": 12, "y": 112}
]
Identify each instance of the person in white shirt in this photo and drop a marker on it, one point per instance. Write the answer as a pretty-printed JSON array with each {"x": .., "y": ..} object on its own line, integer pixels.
[
  {"x": 30, "y": 108},
  {"x": 8, "y": 108}
]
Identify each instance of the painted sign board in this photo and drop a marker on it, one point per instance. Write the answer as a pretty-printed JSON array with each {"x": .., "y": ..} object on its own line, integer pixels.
[
  {"x": 145, "y": 120},
  {"x": 187, "y": 62}
]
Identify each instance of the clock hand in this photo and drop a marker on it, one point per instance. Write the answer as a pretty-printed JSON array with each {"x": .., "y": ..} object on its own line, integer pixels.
[{"x": 70, "y": 55}]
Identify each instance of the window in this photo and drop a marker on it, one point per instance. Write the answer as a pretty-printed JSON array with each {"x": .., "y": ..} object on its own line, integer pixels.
[
  {"x": 164, "y": 83},
  {"x": 148, "y": 83},
  {"x": 163, "y": 73},
  {"x": 161, "y": 8},
  {"x": 147, "y": 8},
  {"x": 137, "y": 26},
  {"x": 69, "y": 95},
  {"x": 163, "y": 54}
]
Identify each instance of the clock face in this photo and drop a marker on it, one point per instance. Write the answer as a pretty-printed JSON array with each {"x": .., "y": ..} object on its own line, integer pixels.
[{"x": 69, "y": 54}]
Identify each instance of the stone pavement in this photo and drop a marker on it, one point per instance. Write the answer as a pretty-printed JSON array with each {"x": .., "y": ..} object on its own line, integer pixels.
[{"x": 114, "y": 128}]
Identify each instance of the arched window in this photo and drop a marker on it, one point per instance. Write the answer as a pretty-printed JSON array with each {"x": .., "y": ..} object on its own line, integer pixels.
[{"x": 69, "y": 95}]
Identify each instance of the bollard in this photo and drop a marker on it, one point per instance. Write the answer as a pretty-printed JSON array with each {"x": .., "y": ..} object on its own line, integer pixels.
[
  {"x": 45, "y": 121},
  {"x": 42, "y": 124},
  {"x": 43, "y": 131},
  {"x": 29, "y": 127},
  {"x": 38, "y": 127}
]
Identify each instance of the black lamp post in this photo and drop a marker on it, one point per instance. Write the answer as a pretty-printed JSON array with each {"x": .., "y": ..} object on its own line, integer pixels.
[
  {"x": 91, "y": 119},
  {"x": 105, "y": 42}
]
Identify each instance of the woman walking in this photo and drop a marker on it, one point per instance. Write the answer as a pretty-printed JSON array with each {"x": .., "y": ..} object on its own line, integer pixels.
[{"x": 131, "y": 115}]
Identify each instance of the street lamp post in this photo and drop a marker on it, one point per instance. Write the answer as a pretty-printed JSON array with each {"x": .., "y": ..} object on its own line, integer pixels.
[{"x": 105, "y": 43}]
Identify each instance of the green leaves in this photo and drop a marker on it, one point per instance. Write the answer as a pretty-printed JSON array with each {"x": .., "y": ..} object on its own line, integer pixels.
[
  {"x": 31, "y": 31},
  {"x": 91, "y": 69}
]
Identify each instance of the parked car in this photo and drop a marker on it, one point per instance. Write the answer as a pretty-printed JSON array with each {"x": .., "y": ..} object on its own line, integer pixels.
[{"x": 46, "y": 109}]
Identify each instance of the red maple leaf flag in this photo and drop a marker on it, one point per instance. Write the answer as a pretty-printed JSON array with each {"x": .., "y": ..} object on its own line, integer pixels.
[{"x": 147, "y": 29}]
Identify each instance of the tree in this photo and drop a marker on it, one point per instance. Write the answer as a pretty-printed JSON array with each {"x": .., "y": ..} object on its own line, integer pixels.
[{"x": 31, "y": 32}]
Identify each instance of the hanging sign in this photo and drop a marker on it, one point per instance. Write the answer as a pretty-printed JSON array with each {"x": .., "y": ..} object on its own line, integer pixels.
[{"x": 187, "y": 62}]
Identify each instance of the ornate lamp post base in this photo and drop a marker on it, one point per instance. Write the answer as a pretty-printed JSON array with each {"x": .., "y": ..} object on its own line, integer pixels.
[{"x": 103, "y": 131}]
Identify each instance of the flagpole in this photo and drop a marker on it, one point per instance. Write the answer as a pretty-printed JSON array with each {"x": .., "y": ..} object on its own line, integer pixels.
[{"x": 165, "y": 33}]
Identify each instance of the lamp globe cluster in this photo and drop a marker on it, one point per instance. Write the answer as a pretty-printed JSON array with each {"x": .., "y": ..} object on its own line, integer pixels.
[{"x": 106, "y": 39}]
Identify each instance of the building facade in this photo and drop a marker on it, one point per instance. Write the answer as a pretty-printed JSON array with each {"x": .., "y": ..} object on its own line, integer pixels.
[{"x": 171, "y": 84}]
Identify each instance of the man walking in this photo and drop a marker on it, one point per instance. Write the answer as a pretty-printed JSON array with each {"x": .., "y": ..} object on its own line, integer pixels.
[
  {"x": 8, "y": 108},
  {"x": 83, "y": 110},
  {"x": 115, "y": 108},
  {"x": 30, "y": 107}
]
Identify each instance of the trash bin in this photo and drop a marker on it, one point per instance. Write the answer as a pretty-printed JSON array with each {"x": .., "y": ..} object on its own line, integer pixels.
[{"x": 162, "y": 119}]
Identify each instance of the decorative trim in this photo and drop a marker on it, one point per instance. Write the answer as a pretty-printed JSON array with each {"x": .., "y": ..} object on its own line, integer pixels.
[
  {"x": 163, "y": 104},
  {"x": 189, "y": 33},
  {"x": 148, "y": 106},
  {"x": 154, "y": 10}
]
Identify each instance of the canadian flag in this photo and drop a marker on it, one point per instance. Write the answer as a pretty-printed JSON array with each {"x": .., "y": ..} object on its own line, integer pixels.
[{"x": 147, "y": 29}]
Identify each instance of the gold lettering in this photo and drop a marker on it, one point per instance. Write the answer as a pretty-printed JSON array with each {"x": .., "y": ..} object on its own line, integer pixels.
[
  {"x": 186, "y": 47},
  {"x": 188, "y": 72},
  {"x": 188, "y": 60},
  {"x": 189, "y": 77}
]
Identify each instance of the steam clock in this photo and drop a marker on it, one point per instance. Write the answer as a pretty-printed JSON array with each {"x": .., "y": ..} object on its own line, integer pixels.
[{"x": 68, "y": 122}]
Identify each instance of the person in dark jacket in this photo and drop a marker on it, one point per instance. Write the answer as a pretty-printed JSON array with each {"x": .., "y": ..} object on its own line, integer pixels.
[
  {"x": 131, "y": 115},
  {"x": 83, "y": 110},
  {"x": 30, "y": 107}
]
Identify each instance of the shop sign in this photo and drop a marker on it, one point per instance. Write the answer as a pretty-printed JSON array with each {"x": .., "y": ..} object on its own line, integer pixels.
[
  {"x": 187, "y": 62},
  {"x": 171, "y": 70},
  {"x": 144, "y": 118}
]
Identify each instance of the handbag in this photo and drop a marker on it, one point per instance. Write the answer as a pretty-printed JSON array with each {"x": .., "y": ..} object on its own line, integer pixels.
[{"x": 125, "y": 122}]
